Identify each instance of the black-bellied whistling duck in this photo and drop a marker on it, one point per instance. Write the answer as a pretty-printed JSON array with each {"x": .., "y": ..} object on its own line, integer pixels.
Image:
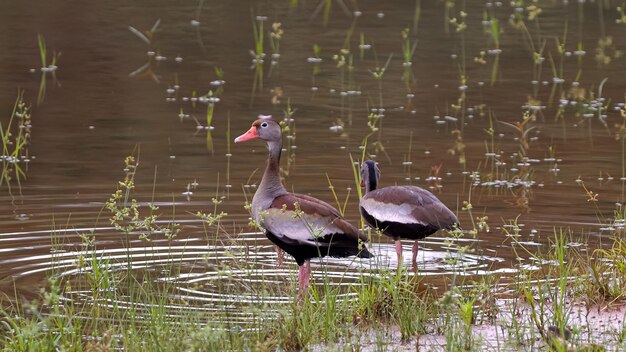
[
  {"x": 408, "y": 212},
  {"x": 303, "y": 226}
]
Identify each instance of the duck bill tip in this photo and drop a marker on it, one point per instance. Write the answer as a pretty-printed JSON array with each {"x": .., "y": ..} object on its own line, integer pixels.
[{"x": 250, "y": 134}]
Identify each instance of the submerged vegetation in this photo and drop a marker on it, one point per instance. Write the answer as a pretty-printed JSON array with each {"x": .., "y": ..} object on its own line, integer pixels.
[{"x": 484, "y": 107}]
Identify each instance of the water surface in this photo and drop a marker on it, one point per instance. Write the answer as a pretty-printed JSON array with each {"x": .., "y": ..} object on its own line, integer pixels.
[{"x": 104, "y": 104}]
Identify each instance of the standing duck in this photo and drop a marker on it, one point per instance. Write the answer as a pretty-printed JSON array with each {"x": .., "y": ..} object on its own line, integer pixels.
[
  {"x": 408, "y": 212},
  {"x": 303, "y": 226}
]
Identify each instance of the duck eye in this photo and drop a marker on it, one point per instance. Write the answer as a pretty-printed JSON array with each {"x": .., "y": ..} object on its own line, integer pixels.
[{"x": 264, "y": 124}]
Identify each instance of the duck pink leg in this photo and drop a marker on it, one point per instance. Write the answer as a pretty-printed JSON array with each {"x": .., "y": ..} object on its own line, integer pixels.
[
  {"x": 399, "y": 253},
  {"x": 414, "y": 262},
  {"x": 304, "y": 275},
  {"x": 280, "y": 256}
]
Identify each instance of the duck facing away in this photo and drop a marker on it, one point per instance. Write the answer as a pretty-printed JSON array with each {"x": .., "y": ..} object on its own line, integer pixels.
[
  {"x": 303, "y": 226},
  {"x": 408, "y": 212}
]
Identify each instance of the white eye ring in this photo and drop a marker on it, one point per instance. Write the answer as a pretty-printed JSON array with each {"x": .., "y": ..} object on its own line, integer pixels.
[{"x": 264, "y": 124}]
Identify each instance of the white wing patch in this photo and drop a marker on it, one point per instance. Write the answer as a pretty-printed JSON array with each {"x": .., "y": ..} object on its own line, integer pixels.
[
  {"x": 391, "y": 212},
  {"x": 303, "y": 228}
]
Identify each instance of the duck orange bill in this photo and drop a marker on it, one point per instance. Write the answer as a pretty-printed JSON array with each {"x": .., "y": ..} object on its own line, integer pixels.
[
  {"x": 362, "y": 184},
  {"x": 251, "y": 134}
]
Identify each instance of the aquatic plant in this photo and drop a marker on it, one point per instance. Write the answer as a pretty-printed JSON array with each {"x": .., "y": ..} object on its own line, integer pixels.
[
  {"x": 258, "y": 54},
  {"x": 148, "y": 69},
  {"x": 408, "y": 50},
  {"x": 46, "y": 68},
  {"x": 15, "y": 141},
  {"x": 276, "y": 34}
]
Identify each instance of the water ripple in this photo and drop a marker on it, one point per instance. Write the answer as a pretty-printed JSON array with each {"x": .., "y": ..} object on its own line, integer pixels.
[{"x": 229, "y": 276}]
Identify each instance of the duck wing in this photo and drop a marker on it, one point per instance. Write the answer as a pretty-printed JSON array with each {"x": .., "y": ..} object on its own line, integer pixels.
[
  {"x": 307, "y": 227},
  {"x": 408, "y": 205}
]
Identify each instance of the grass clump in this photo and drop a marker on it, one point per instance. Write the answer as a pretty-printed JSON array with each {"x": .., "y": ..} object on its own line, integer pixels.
[
  {"x": 394, "y": 300},
  {"x": 608, "y": 272}
]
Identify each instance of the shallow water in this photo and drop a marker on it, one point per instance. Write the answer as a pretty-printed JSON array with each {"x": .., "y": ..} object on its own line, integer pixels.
[{"x": 104, "y": 103}]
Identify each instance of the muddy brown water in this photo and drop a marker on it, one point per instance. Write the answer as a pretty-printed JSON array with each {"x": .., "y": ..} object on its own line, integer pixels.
[{"x": 95, "y": 114}]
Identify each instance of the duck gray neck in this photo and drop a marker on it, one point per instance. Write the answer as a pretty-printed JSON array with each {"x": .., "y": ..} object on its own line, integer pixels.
[
  {"x": 371, "y": 181},
  {"x": 270, "y": 186},
  {"x": 271, "y": 176}
]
